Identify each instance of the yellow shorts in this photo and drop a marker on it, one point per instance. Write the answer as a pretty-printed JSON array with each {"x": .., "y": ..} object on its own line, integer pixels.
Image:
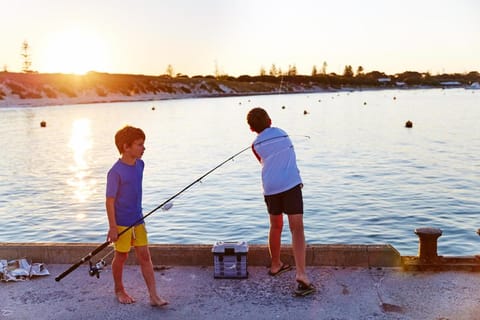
[{"x": 135, "y": 236}]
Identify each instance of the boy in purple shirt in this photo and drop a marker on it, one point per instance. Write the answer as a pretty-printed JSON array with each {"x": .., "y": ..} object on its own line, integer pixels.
[{"x": 124, "y": 208}]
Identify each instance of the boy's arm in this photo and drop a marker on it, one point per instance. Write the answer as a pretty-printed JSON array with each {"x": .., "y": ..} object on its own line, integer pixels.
[
  {"x": 112, "y": 222},
  {"x": 256, "y": 154}
]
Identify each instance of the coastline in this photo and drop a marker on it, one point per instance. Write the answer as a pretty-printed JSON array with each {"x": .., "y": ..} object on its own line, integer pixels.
[
  {"x": 36, "y": 90},
  {"x": 15, "y": 102}
]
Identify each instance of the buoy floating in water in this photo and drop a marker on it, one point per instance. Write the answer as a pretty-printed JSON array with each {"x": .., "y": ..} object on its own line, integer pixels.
[
  {"x": 408, "y": 124},
  {"x": 43, "y": 123}
]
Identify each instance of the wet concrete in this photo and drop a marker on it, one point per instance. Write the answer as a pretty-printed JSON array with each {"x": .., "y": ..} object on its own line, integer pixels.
[{"x": 343, "y": 293}]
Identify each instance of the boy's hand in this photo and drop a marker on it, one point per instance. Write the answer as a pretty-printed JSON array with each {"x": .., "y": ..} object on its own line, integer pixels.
[{"x": 112, "y": 235}]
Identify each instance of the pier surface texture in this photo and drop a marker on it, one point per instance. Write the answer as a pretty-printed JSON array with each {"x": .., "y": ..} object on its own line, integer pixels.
[{"x": 352, "y": 281}]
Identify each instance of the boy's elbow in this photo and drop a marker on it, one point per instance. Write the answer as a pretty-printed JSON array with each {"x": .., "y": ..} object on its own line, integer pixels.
[{"x": 109, "y": 201}]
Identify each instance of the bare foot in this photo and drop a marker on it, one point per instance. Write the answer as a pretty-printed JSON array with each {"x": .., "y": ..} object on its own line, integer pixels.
[
  {"x": 156, "y": 301},
  {"x": 123, "y": 297}
]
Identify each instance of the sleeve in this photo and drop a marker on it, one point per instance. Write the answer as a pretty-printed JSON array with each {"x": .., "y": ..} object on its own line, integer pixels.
[{"x": 113, "y": 182}]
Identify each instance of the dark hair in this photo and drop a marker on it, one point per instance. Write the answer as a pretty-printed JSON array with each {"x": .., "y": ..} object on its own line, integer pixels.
[
  {"x": 126, "y": 136},
  {"x": 258, "y": 119}
]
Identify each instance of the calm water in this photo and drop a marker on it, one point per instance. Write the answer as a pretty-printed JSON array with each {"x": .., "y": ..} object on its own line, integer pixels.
[{"x": 368, "y": 179}]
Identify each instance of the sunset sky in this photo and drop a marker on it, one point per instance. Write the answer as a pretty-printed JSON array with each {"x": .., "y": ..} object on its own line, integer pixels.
[{"x": 239, "y": 37}]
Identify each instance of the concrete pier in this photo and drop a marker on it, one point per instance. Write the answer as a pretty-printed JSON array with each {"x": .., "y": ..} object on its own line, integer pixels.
[{"x": 352, "y": 281}]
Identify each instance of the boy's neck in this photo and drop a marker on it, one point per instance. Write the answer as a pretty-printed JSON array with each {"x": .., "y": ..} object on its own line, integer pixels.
[
  {"x": 128, "y": 160},
  {"x": 264, "y": 129}
]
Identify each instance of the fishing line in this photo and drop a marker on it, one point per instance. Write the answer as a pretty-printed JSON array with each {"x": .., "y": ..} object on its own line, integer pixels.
[{"x": 167, "y": 204}]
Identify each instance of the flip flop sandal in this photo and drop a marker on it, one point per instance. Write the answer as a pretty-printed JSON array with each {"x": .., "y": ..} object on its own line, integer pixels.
[
  {"x": 284, "y": 268},
  {"x": 304, "y": 289}
]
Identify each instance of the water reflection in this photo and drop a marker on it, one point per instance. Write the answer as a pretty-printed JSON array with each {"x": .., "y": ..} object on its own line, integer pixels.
[
  {"x": 367, "y": 178},
  {"x": 80, "y": 143}
]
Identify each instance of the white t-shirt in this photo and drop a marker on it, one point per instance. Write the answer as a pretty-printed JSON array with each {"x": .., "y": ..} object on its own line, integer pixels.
[{"x": 279, "y": 164}]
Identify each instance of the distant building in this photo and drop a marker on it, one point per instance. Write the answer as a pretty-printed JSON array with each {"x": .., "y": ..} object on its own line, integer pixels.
[
  {"x": 450, "y": 83},
  {"x": 384, "y": 80},
  {"x": 474, "y": 85}
]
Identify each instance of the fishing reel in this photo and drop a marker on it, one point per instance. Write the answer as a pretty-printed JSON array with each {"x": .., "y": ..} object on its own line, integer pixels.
[{"x": 96, "y": 268}]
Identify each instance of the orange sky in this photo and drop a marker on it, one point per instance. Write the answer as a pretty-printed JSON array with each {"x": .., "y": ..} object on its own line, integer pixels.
[{"x": 239, "y": 37}]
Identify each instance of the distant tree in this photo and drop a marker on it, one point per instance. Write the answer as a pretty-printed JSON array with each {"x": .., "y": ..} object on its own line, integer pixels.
[
  {"x": 472, "y": 76},
  {"x": 169, "y": 70},
  {"x": 359, "y": 71},
  {"x": 376, "y": 75},
  {"x": 348, "y": 71},
  {"x": 273, "y": 70},
  {"x": 25, "y": 53},
  {"x": 413, "y": 76},
  {"x": 292, "y": 70},
  {"x": 324, "y": 67},
  {"x": 314, "y": 71},
  {"x": 5, "y": 68},
  {"x": 218, "y": 73},
  {"x": 262, "y": 71}
]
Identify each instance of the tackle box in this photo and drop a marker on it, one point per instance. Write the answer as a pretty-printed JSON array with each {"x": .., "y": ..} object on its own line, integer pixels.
[{"x": 230, "y": 259}]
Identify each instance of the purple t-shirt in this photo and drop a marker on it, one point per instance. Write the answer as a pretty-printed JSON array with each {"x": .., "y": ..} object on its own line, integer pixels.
[{"x": 124, "y": 183}]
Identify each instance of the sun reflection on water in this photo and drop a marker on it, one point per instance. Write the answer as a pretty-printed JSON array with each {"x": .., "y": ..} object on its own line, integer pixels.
[{"x": 80, "y": 143}]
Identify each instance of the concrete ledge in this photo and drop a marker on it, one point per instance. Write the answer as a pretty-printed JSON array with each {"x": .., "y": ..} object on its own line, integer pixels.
[
  {"x": 440, "y": 263},
  {"x": 201, "y": 255}
]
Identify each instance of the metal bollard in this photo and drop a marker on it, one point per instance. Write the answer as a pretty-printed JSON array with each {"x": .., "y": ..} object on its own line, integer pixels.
[{"x": 427, "y": 249}]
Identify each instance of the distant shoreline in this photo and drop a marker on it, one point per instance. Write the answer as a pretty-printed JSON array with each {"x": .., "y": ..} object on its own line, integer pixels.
[
  {"x": 33, "y": 103},
  {"x": 19, "y": 90}
]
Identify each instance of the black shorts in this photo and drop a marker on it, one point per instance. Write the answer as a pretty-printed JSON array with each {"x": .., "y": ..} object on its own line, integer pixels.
[{"x": 288, "y": 202}]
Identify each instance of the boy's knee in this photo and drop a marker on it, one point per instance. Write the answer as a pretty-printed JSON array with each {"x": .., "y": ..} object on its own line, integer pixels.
[
  {"x": 121, "y": 256},
  {"x": 143, "y": 255},
  {"x": 296, "y": 227}
]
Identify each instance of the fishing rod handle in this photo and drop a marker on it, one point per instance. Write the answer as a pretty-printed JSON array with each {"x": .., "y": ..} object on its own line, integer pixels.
[{"x": 84, "y": 259}]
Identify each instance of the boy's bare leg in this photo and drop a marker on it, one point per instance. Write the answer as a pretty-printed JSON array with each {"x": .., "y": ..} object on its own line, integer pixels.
[
  {"x": 295, "y": 222},
  {"x": 117, "y": 270},
  {"x": 274, "y": 241},
  {"x": 143, "y": 256}
]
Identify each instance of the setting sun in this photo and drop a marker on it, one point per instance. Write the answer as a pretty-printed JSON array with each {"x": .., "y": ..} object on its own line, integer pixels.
[{"x": 75, "y": 51}]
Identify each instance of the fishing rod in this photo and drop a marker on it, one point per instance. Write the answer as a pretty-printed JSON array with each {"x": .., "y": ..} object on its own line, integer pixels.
[
  {"x": 95, "y": 269},
  {"x": 107, "y": 242}
]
